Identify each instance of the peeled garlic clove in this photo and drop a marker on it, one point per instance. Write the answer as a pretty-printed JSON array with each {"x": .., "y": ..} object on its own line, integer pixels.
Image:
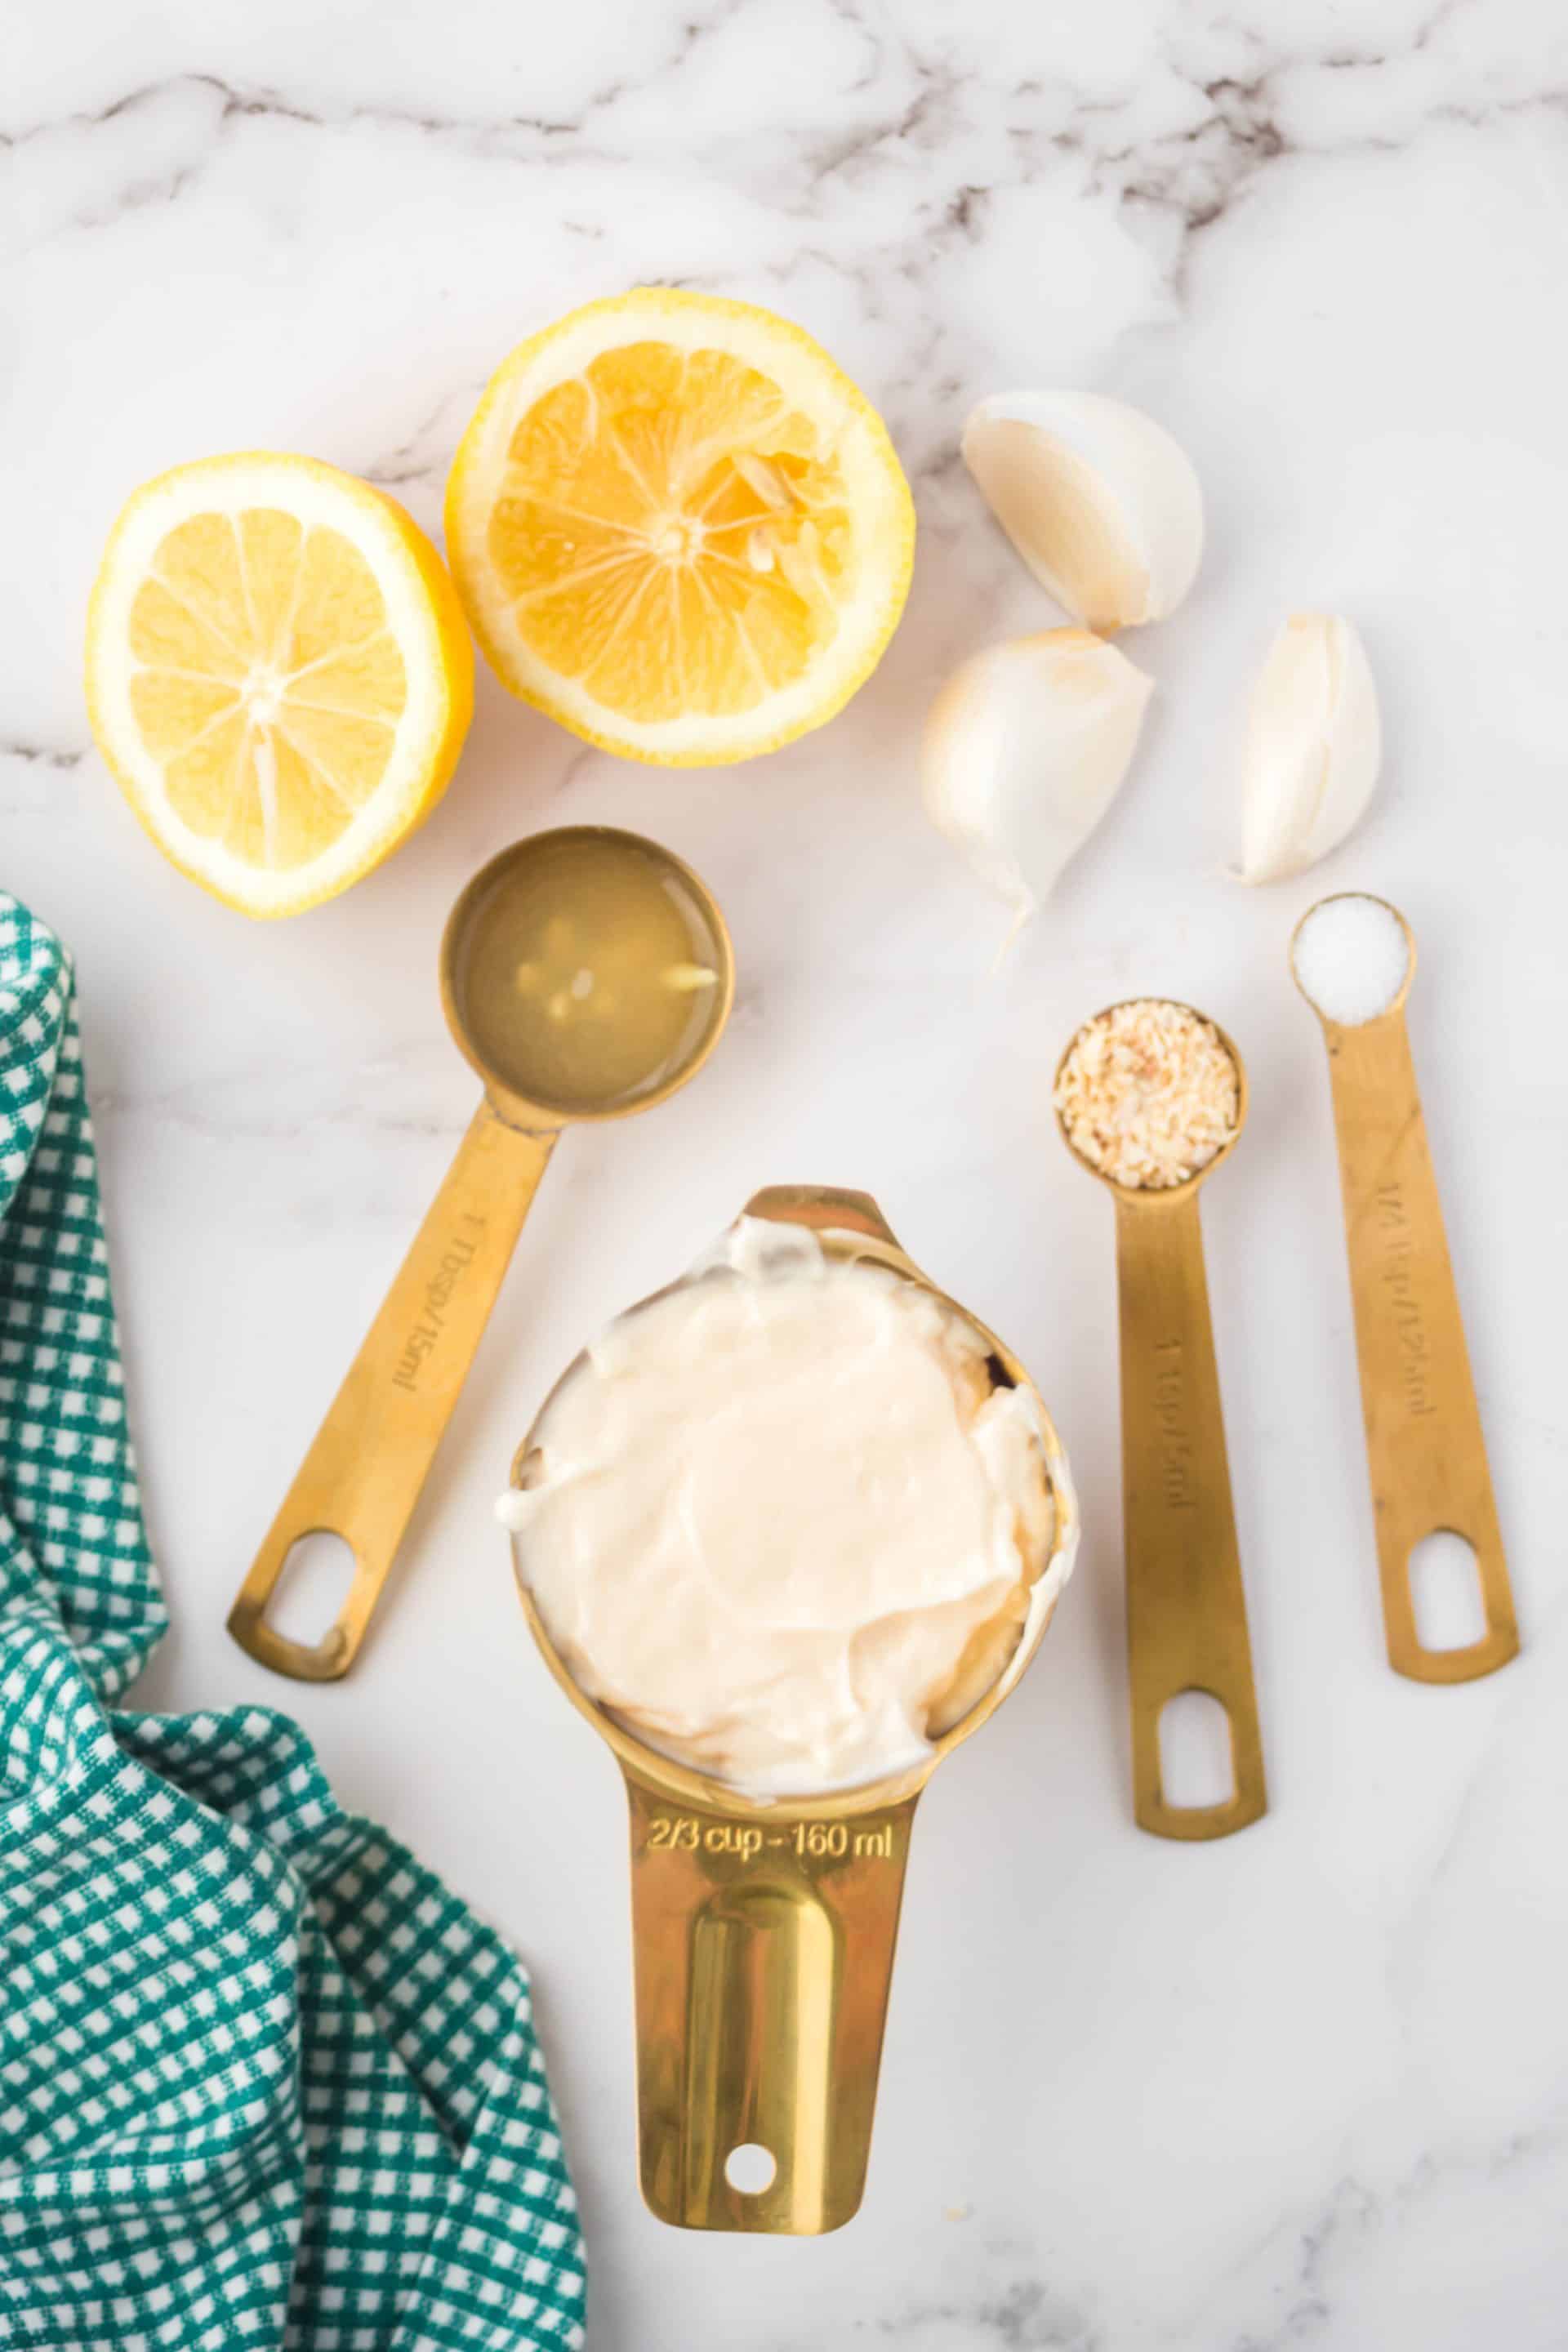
[
  {"x": 1312, "y": 748},
  {"x": 1102, "y": 504},
  {"x": 1023, "y": 751}
]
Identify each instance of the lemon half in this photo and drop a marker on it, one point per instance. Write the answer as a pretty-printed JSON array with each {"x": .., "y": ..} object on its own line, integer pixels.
[
  {"x": 678, "y": 527},
  {"x": 278, "y": 675}
]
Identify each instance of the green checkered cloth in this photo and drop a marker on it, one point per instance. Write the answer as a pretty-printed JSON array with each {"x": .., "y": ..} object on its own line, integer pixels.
[{"x": 263, "y": 2081}]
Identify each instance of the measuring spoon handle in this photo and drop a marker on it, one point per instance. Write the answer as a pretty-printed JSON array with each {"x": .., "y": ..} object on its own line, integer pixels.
[
  {"x": 1187, "y": 1610},
  {"x": 1424, "y": 1448},
  {"x": 370, "y": 1458},
  {"x": 763, "y": 1950}
]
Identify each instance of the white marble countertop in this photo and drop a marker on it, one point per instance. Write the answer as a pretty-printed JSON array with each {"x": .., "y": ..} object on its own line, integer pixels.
[{"x": 1306, "y": 2086}]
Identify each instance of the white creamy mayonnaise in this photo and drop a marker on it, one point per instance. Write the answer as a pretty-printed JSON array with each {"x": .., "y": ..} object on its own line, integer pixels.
[{"x": 780, "y": 1522}]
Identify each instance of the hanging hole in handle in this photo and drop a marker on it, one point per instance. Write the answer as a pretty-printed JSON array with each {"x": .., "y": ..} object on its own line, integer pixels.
[
  {"x": 750, "y": 2169},
  {"x": 311, "y": 1587},
  {"x": 1197, "y": 1760},
  {"x": 1446, "y": 1592}
]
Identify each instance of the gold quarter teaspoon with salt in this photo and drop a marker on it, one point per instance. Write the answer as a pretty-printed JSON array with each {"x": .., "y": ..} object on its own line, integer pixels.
[
  {"x": 1354, "y": 957},
  {"x": 1186, "y": 1606},
  {"x": 585, "y": 974}
]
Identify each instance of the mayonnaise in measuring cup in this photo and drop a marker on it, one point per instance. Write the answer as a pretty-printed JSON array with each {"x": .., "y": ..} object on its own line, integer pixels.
[{"x": 780, "y": 1521}]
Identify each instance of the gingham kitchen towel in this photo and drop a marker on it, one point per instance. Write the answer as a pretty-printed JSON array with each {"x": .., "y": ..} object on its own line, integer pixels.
[{"x": 263, "y": 2081}]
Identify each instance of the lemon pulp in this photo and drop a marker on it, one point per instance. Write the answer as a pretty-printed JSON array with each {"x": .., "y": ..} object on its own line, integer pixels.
[
  {"x": 678, "y": 527},
  {"x": 278, "y": 675}
]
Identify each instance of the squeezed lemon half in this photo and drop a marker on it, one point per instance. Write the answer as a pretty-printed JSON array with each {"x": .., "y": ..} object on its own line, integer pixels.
[
  {"x": 278, "y": 675},
  {"x": 678, "y": 527}
]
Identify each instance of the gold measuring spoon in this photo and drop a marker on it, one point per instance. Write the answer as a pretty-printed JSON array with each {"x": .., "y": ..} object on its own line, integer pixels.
[
  {"x": 762, "y": 1934},
  {"x": 1424, "y": 1448},
  {"x": 585, "y": 974},
  {"x": 1186, "y": 1609}
]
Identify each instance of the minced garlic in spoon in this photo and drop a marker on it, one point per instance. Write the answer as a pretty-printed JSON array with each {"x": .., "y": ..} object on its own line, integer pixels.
[{"x": 1148, "y": 1094}]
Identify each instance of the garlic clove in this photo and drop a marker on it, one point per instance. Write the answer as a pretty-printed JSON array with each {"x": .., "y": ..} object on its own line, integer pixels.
[
  {"x": 1024, "y": 749},
  {"x": 1103, "y": 506},
  {"x": 1313, "y": 749}
]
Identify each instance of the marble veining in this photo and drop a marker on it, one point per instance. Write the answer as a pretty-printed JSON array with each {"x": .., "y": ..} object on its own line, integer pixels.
[{"x": 1309, "y": 2087}]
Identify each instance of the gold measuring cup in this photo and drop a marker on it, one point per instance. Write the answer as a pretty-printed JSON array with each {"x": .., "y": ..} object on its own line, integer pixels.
[
  {"x": 1425, "y": 1451},
  {"x": 1186, "y": 1606},
  {"x": 763, "y": 1933},
  {"x": 372, "y": 1455}
]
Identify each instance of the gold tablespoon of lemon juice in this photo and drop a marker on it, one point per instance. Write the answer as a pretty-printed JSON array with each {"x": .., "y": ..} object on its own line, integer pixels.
[{"x": 585, "y": 974}]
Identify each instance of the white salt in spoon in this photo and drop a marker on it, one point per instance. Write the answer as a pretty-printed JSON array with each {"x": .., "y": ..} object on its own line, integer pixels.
[{"x": 1354, "y": 957}]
